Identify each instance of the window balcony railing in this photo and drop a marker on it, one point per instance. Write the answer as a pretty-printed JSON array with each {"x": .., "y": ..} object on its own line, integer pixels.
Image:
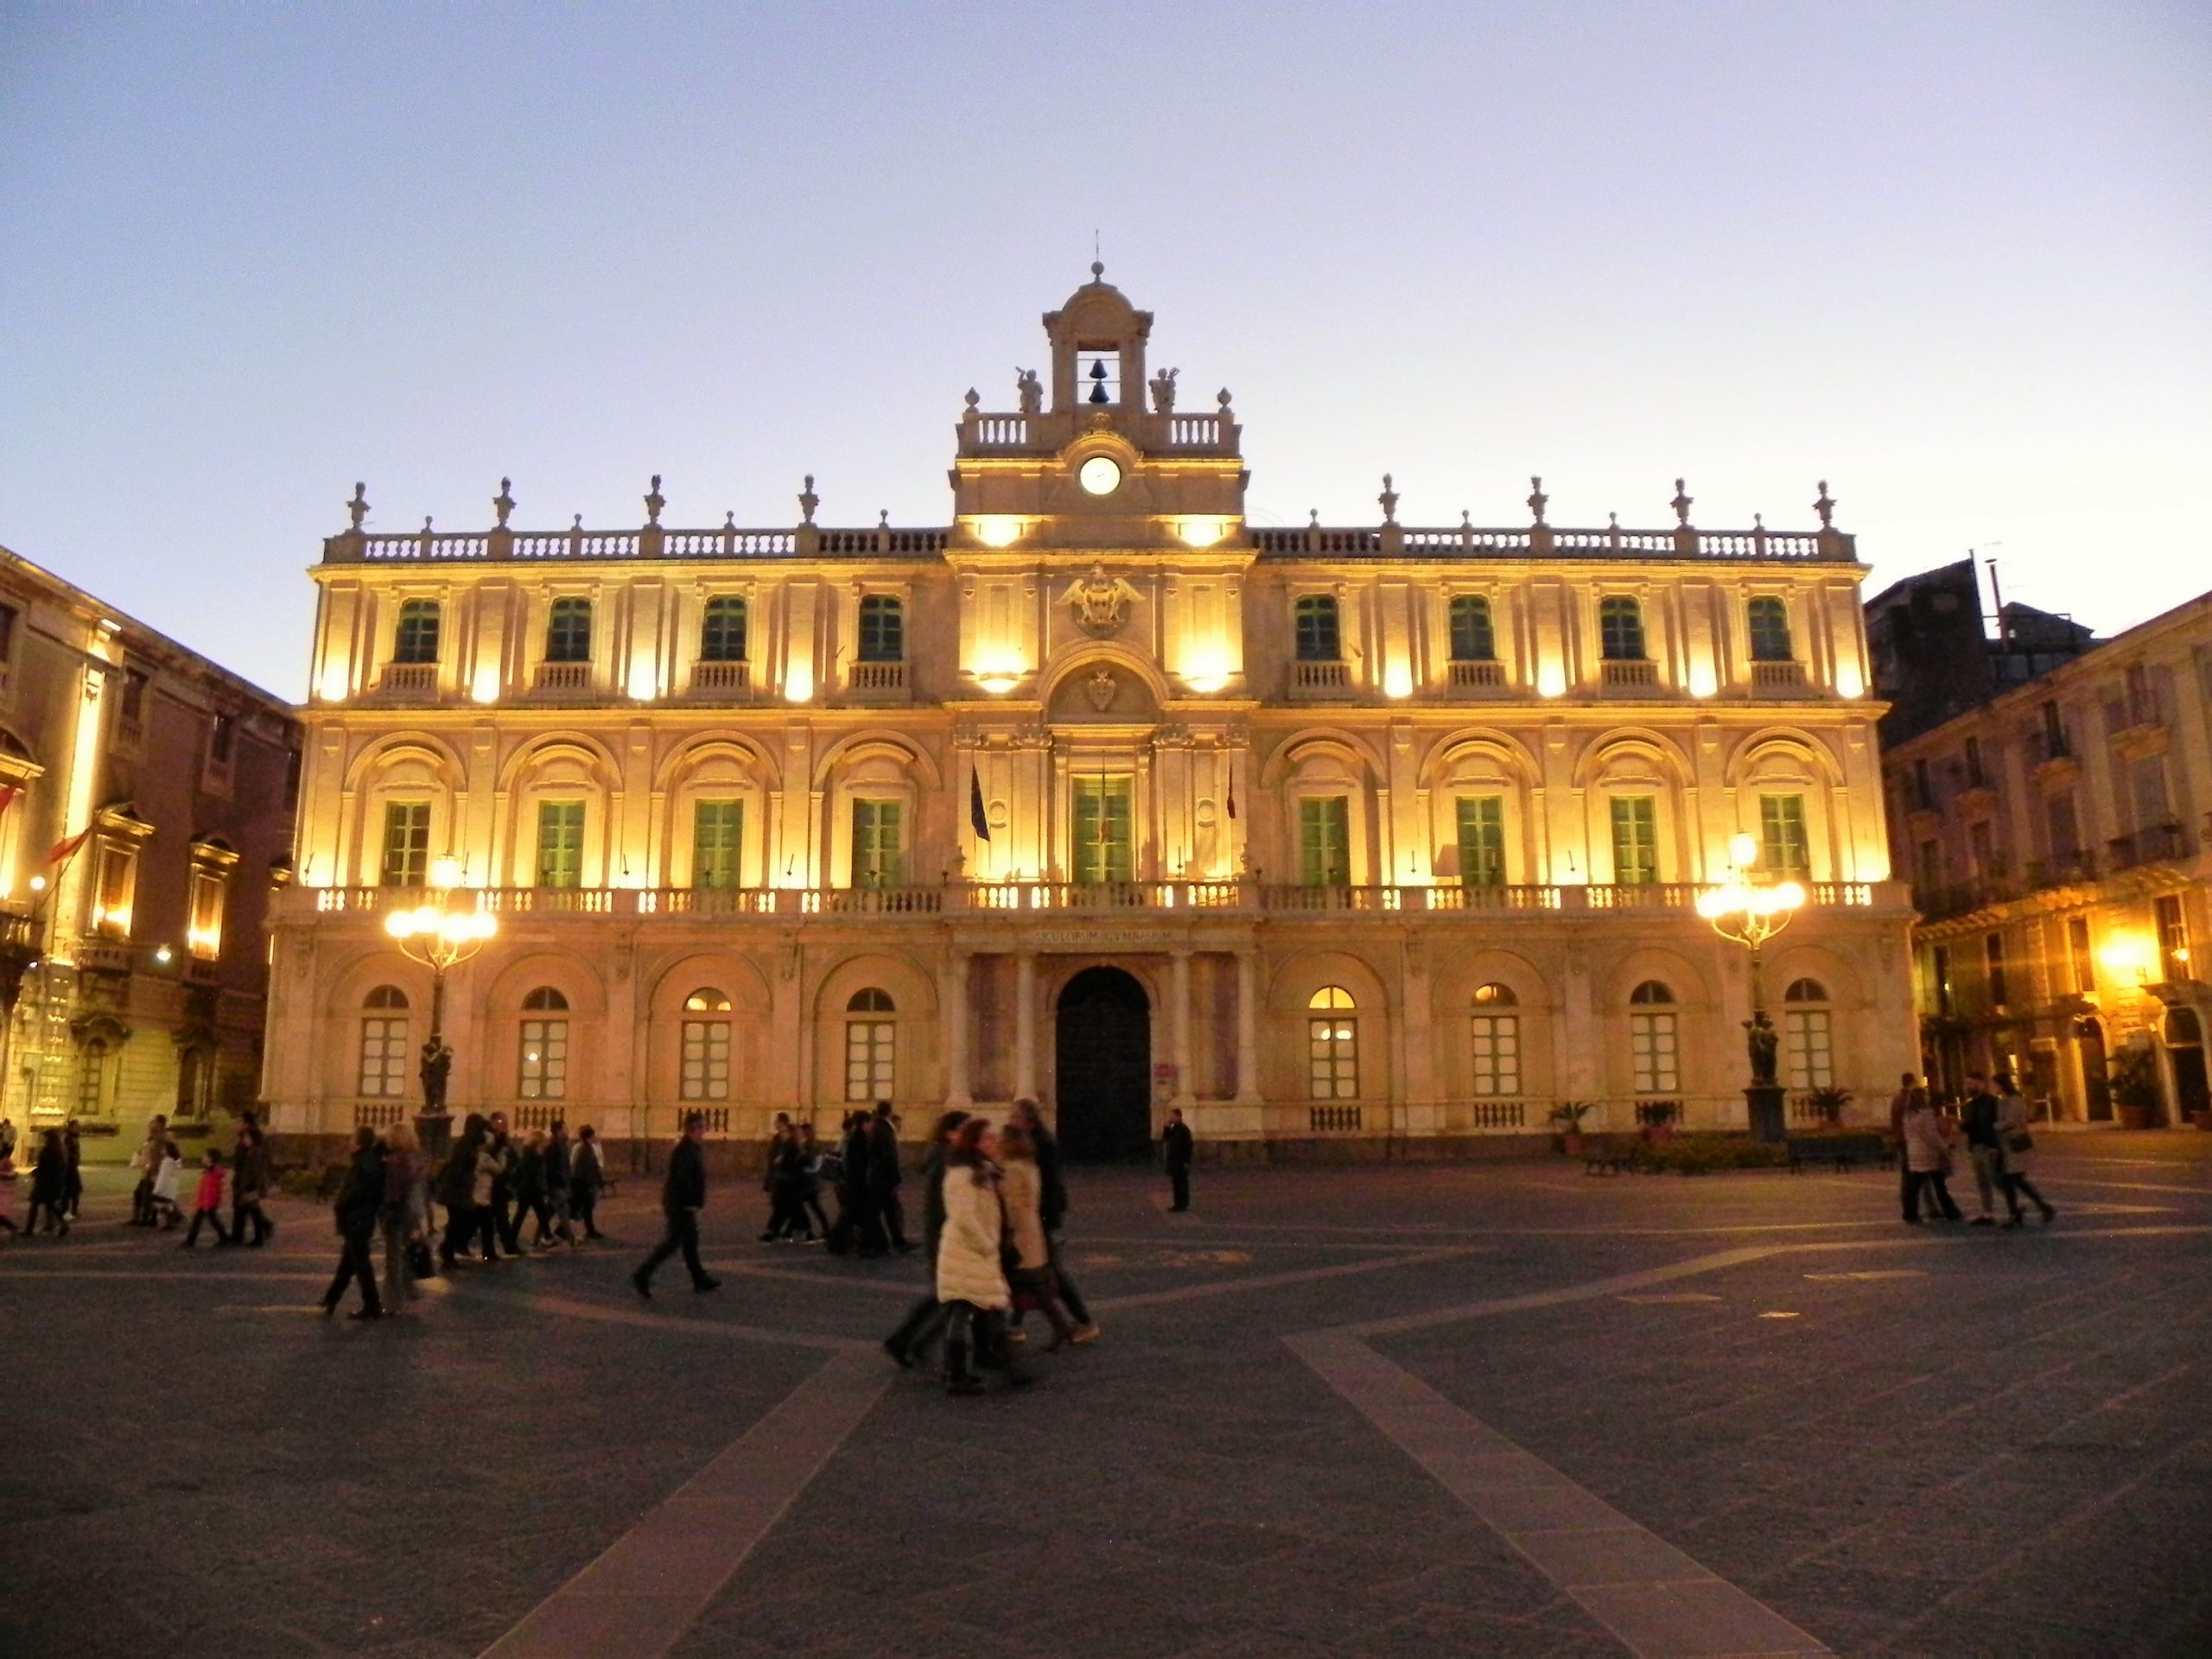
[
  {"x": 727, "y": 678},
  {"x": 2162, "y": 841},
  {"x": 408, "y": 680},
  {"x": 877, "y": 676},
  {"x": 1478, "y": 676},
  {"x": 1613, "y": 672},
  {"x": 1120, "y": 898},
  {"x": 564, "y": 677},
  {"x": 1334, "y": 1120},
  {"x": 1308, "y": 678},
  {"x": 378, "y": 1114},
  {"x": 1778, "y": 676}
]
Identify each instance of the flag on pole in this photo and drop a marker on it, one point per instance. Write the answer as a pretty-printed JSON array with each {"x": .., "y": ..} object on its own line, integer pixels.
[
  {"x": 976, "y": 817},
  {"x": 62, "y": 849}
]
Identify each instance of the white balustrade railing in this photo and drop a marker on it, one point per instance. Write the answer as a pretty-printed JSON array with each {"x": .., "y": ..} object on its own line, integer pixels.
[{"x": 1319, "y": 677}]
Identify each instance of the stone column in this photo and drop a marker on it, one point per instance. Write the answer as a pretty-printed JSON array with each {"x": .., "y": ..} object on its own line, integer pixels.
[
  {"x": 956, "y": 1095},
  {"x": 1179, "y": 1027},
  {"x": 1024, "y": 1025},
  {"x": 1248, "y": 1028}
]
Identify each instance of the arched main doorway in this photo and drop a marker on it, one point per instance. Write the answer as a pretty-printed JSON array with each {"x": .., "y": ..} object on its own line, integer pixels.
[{"x": 1102, "y": 1070}]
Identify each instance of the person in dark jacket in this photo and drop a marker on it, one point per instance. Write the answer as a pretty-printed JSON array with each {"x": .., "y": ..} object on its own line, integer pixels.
[
  {"x": 1054, "y": 1212},
  {"x": 505, "y": 1221},
  {"x": 49, "y": 1181},
  {"x": 457, "y": 1191},
  {"x": 1175, "y": 1153},
  {"x": 586, "y": 1180},
  {"x": 250, "y": 1175},
  {"x": 73, "y": 1176},
  {"x": 926, "y": 1319},
  {"x": 359, "y": 1200},
  {"x": 529, "y": 1191},
  {"x": 681, "y": 1198},
  {"x": 856, "y": 1227},
  {"x": 884, "y": 1178},
  {"x": 557, "y": 1177},
  {"x": 1978, "y": 1118}
]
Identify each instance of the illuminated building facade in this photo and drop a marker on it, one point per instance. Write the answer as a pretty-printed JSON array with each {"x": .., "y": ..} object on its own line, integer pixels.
[
  {"x": 1377, "y": 834},
  {"x": 2057, "y": 838},
  {"x": 147, "y": 818}
]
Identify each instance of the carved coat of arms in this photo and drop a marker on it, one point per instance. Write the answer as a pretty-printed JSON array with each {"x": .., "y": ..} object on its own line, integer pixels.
[{"x": 1101, "y": 603}]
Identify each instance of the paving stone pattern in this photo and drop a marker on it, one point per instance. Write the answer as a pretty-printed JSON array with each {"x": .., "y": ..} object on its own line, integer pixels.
[{"x": 1957, "y": 1441}]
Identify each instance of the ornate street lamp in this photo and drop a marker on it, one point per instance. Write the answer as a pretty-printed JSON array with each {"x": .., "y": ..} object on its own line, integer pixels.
[
  {"x": 1751, "y": 910},
  {"x": 441, "y": 938}
]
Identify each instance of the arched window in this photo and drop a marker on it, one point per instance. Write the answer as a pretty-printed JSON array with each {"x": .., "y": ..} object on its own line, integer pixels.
[
  {"x": 871, "y": 1046},
  {"x": 883, "y": 629},
  {"x": 1654, "y": 1057},
  {"x": 721, "y": 632},
  {"x": 1332, "y": 1045},
  {"x": 1620, "y": 629},
  {"x": 1768, "y": 621},
  {"x": 416, "y": 640},
  {"x": 1317, "y": 636},
  {"x": 568, "y": 632},
  {"x": 381, "y": 1062},
  {"x": 543, "y": 1070},
  {"x": 1806, "y": 1035},
  {"x": 706, "y": 1046},
  {"x": 1472, "y": 639},
  {"x": 1496, "y": 1042}
]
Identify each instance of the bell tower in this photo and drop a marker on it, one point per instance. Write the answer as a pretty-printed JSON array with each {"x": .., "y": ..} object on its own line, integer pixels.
[{"x": 1098, "y": 341}]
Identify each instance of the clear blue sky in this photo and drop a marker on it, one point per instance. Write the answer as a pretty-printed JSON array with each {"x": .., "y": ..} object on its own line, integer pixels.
[{"x": 1956, "y": 259}]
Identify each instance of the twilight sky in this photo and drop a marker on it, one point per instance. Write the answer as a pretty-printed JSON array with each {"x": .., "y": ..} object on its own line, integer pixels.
[{"x": 1954, "y": 258}]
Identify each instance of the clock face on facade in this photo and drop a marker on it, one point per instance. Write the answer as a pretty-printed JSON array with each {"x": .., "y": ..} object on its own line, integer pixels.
[{"x": 1100, "y": 475}]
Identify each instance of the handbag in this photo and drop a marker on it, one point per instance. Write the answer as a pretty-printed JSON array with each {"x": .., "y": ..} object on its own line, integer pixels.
[{"x": 2019, "y": 1141}]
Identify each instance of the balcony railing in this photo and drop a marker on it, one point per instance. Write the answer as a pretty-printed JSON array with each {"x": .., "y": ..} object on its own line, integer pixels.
[
  {"x": 721, "y": 677},
  {"x": 1002, "y": 898},
  {"x": 2162, "y": 842},
  {"x": 564, "y": 677},
  {"x": 1319, "y": 677},
  {"x": 1619, "y": 673},
  {"x": 408, "y": 679},
  {"x": 1777, "y": 676},
  {"x": 878, "y": 677},
  {"x": 1484, "y": 675}
]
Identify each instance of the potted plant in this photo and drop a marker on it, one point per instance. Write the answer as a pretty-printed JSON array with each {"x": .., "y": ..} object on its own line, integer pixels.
[
  {"x": 1566, "y": 1125},
  {"x": 1829, "y": 1103},
  {"x": 2135, "y": 1092}
]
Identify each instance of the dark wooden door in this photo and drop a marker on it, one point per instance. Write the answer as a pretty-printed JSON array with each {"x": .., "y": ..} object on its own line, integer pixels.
[{"x": 1102, "y": 1074}]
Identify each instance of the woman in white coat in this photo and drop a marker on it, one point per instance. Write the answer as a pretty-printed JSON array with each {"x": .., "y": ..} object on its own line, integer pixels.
[
  {"x": 1927, "y": 1151},
  {"x": 2017, "y": 1146},
  {"x": 971, "y": 1272}
]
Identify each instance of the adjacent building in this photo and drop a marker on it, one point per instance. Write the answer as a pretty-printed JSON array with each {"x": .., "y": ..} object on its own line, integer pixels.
[
  {"x": 146, "y": 801},
  {"x": 2056, "y": 836},
  {"x": 1368, "y": 836}
]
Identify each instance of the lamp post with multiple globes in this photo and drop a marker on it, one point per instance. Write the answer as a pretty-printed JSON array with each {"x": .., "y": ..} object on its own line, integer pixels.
[
  {"x": 1751, "y": 909},
  {"x": 441, "y": 938}
]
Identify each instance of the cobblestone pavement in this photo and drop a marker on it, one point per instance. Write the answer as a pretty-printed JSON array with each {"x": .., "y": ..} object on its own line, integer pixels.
[{"x": 1362, "y": 1411}]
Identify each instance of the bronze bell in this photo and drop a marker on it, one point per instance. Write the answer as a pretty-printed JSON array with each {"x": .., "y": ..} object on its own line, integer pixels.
[{"x": 1098, "y": 381}]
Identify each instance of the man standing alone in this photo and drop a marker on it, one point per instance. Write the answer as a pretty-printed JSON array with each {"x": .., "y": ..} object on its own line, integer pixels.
[
  {"x": 1175, "y": 1153},
  {"x": 681, "y": 1198}
]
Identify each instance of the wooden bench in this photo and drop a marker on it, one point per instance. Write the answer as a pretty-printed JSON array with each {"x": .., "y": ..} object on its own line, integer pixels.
[
  {"x": 1608, "y": 1155},
  {"x": 1840, "y": 1150}
]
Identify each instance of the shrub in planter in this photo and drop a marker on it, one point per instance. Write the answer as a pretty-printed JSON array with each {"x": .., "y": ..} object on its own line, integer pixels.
[
  {"x": 2135, "y": 1089},
  {"x": 1567, "y": 1125},
  {"x": 1829, "y": 1103}
]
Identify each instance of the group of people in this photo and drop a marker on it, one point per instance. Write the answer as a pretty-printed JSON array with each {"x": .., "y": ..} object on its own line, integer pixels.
[
  {"x": 1993, "y": 1120},
  {"x": 488, "y": 1185},
  {"x": 862, "y": 1171},
  {"x": 57, "y": 1180}
]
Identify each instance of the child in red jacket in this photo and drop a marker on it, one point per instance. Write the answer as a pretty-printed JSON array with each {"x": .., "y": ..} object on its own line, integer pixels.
[{"x": 207, "y": 1202}]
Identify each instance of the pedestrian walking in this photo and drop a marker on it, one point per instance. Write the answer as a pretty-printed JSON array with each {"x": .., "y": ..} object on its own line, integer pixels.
[
  {"x": 1175, "y": 1148},
  {"x": 493, "y": 1189},
  {"x": 927, "y": 1317},
  {"x": 457, "y": 1191},
  {"x": 587, "y": 1180},
  {"x": 1928, "y": 1159},
  {"x": 7, "y": 1138},
  {"x": 2016, "y": 1151},
  {"x": 1978, "y": 1118},
  {"x": 885, "y": 1179},
  {"x": 970, "y": 1272},
  {"x": 8, "y": 1192},
  {"x": 403, "y": 1213},
  {"x": 1053, "y": 1206},
  {"x": 530, "y": 1194},
  {"x": 682, "y": 1196},
  {"x": 558, "y": 1176},
  {"x": 207, "y": 1200},
  {"x": 49, "y": 1173},
  {"x": 169, "y": 1179},
  {"x": 147, "y": 1160},
  {"x": 776, "y": 1132},
  {"x": 72, "y": 1178},
  {"x": 506, "y": 1216},
  {"x": 786, "y": 1178},
  {"x": 857, "y": 1220},
  {"x": 1029, "y": 1274},
  {"x": 359, "y": 1199},
  {"x": 250, "y": 1177},
  {"x": 809, "y": 1190},
  {"x": 1908, "y": 1193}
]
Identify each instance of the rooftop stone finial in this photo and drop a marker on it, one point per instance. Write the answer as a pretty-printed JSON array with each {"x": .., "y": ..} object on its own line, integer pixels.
[
  {"x": 504, "y": 502},
  {"x": 1099, "y": 270},
  {"x": 1681, "y": 504},
  {"x": 1536, "y": 501},
  {"x": 883, "y": 519},
  {"x": 808, "y": 500},
  {"x": 358, "y": 506},
  {"x": 1825, "y": 507},
  {"x": 1389, "y": 500},
  {"x": 729, "y": 519},
  {"x": 1466, "y": 518},
  {"x": 655, "y": 502},
  {"x": 1313, "y": 517}
]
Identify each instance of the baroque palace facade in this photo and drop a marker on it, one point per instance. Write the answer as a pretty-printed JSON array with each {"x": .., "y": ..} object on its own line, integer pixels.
[{"x": 1379, "y": 835}]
